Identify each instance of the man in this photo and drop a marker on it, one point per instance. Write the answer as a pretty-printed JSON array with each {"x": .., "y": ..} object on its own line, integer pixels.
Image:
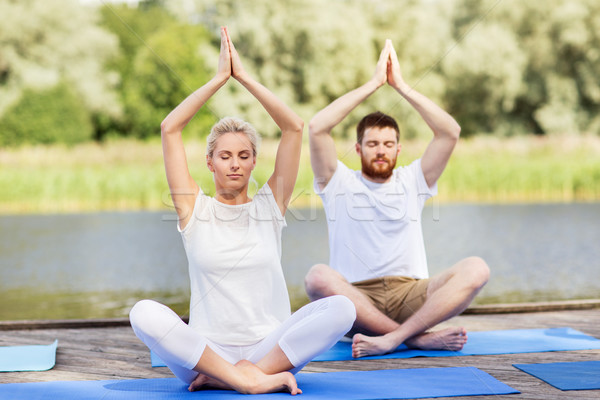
[{"x": 376, "y": 243}]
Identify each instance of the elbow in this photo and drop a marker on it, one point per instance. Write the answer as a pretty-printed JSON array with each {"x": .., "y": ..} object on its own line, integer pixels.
[
  {"x": 166, "y": 127},
  {"x": 313, "y": 128},
  {"x": 457, "y": 131},
  {"x": 299, "y": 126},
  {"x": 295, "y": 127},
  {"x": 454, "y": 132}
]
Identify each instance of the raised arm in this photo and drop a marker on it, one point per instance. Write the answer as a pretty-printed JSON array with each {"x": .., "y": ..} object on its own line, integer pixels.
[
  {"x": 446, "y": 130},
  {"x": 288, "y": 153},
  {"x": 323, "y": 155},
  {"x": 183, "y": 188}
]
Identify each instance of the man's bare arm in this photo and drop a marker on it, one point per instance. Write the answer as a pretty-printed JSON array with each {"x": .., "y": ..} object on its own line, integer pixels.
[
  {"x": 446, "y": 130},
  {"x": 323, "y": 155}
]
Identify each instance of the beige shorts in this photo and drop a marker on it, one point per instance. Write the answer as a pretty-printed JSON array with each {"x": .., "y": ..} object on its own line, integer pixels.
[{"x": 398, "y": 297}]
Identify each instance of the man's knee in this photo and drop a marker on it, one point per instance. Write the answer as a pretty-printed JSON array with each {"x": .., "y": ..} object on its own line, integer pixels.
[
  {"x": 319, "y": 281},
  {"x": 477, "y": 272}
]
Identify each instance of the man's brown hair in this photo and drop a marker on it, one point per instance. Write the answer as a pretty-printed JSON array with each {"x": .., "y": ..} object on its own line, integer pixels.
[{"x": 376, "y": 119}]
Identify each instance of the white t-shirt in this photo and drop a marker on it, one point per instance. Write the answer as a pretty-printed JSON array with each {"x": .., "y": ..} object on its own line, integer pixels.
[
  {"x": 238, "y": 291},
  {"x": 375, "y": 228}
]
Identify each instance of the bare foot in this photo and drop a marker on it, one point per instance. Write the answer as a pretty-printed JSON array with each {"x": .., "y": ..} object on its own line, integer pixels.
[
  {"x": 363, "y": 345},
  {"x": 256, "y": 381},
  {"x": 206, "y": 382},
  {"x": 452, "y": 339}
]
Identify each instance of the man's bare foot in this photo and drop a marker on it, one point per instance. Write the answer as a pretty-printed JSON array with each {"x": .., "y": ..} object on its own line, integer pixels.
[
  {"x": 452, "y": 339},
  {"x": 363, "y": 345},
  {"x": 256, "y": 381},
  {"x": 206, "y": 382}
]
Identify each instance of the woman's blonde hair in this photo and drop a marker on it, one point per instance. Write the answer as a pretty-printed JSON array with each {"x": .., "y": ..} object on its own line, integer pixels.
[{"x": 231, "y": 125}]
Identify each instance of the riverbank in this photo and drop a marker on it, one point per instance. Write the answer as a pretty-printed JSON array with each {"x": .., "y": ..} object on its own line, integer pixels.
[{"x": 129, "y": 175}]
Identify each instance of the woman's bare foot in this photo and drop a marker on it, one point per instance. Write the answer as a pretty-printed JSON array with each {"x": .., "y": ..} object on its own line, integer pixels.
[
  {"x": 452, "y": 339},
  {"x": 206, "y": 382},
  {"x": 251, "y": 380},
  {"x": 256, "y": 381}
]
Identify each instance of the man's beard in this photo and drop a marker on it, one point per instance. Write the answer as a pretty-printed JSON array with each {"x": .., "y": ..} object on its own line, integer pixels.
[{"x": 378, "y": 171}]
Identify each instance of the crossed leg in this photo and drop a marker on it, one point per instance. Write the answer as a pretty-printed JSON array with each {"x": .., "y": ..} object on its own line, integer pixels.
[
  {"x": 202, "y": 363},
  {"x": 311, "y": 330},
  {"x": 448, "y": 294}
]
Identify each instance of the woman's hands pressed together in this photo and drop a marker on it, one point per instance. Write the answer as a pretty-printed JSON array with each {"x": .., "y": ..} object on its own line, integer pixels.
[
  {"x": 224, "y": 69},
  {"x": 230, "y": 64}
]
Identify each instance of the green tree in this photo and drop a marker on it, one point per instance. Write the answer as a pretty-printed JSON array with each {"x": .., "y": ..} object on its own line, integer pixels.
[
  {"x": 305, "y": 51},
  {"x": 485, "y": 74},
  {"x": 160, "y": 64},
  {"x": 421, "y": 34},
  {"x": 168, "y": 70},
  {"x": 311, "y": 52},
  {"x": 559, "y": 63},
  {"x": 54, "y": 115},
  {"x": 44, "y": 44}
]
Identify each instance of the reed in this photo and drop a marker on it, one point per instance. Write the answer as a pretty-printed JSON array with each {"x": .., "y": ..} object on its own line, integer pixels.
[{"x": 129, "y": 175}]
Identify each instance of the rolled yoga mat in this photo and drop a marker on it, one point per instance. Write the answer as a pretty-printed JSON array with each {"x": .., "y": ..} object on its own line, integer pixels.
[{"x": 28, "y": 358}]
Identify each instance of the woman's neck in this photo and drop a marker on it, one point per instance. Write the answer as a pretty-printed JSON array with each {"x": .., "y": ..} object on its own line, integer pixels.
[{"x": 231, "y": 197}]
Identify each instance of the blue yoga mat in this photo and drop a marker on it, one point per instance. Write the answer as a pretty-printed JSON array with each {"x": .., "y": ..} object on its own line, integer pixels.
[
  {"x": 155, "y": 360},
  {"x": 580, "y": 375},
  {"x": 352, "y": 385},
  {"x": 485, "y": 343},
  {"x": 28, "y": 358}
]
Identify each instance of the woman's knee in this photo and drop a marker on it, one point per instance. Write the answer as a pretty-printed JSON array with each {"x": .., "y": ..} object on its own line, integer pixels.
[
  {"x": 143, "y": 317},
  {"x": 344, "y": 311},
  {"x": 140, "y": 310}
]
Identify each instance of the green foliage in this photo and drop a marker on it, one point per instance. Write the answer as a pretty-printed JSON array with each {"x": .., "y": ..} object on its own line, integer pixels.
[
  {"x": 546, "y": 56},
  {"x": 54, "y": 115},
  {"x": 160, "y": 65},
  {"x": 166, "y": 72},
  {"x": 499, "y": 67},
  {"x": 44, "y": 43},
  {"x": 305, "y": 51}
]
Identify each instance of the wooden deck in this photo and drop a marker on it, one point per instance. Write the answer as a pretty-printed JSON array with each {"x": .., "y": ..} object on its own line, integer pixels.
[{"x": 95, "y": 353}]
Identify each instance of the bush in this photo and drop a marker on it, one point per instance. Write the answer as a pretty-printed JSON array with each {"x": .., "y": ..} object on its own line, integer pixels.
[{"x": 53, "y": 115}]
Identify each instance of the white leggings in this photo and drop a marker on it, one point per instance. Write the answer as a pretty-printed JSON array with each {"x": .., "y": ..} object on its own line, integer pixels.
[{"x": 310, "y": 331}]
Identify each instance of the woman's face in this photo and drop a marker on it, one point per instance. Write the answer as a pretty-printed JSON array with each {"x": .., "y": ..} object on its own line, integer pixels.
[{"x": 232, "y": 162}]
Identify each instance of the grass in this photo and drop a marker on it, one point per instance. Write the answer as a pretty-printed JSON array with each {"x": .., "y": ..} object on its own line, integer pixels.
[{"x": 129, "y": 175}]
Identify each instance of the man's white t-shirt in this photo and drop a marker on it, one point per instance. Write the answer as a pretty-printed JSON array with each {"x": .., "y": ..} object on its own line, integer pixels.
[
  {"x": 375, "y": 228},
  {"x": 238, "y": 291}
]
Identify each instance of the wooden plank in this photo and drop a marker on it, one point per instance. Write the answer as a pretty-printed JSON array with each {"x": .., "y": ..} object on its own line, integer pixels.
[
  {"x": 116, "y": 353},
  {"x": 66, "y": 323},
  {"x": 63, "y": 323},
  {"x": 534, "y": 307}
]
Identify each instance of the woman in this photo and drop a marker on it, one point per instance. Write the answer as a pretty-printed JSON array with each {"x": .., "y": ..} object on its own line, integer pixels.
[{"x": 241, "y": 335}]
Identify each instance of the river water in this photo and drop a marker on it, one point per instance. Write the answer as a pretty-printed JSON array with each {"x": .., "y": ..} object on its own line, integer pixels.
[{"x": 98, "y": 265}]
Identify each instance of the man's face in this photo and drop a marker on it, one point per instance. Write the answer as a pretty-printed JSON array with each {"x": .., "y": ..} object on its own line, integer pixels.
[{"x": 378, "y": 152}]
